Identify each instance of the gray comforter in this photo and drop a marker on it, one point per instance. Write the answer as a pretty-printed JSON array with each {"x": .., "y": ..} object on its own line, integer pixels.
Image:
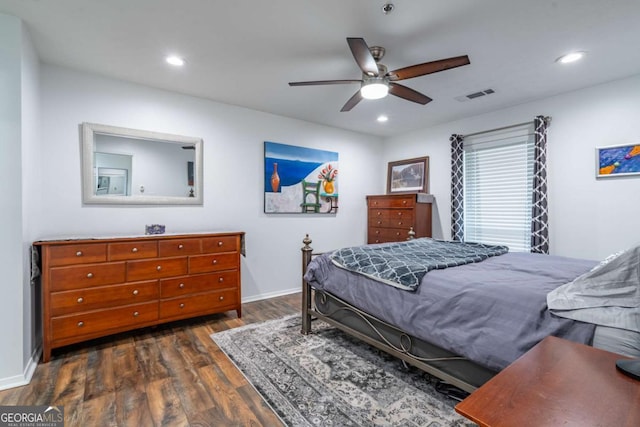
[{"x": 491, "y": 312}]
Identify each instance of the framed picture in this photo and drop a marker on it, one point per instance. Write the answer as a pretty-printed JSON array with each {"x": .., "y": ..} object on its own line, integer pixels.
[
  {"x": 618, "y": 160},
  {"x": 408, "y": 176},
  {"x": 300, "y": 180}
]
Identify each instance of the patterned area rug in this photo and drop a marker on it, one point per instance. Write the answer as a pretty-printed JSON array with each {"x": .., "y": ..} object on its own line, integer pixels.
[{"x": 328, "y": 378}]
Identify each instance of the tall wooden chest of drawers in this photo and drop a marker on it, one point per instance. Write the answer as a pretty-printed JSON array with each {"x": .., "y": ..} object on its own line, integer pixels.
[
  {"x": 391, "y": 216},
  {"x": 97, "y": 287}
]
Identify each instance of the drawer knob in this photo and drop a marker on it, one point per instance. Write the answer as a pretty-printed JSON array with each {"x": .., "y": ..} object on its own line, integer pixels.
[
  {"x": 80, "y": 300},
  {"x": 379, "y": 213},
  {"x": 221, "y": 298},
  {"x": 180, "y": 246},
  {"x": 181, "y": 305},
  {"x": 215, "y": 261},
  {"x": 136, "y": 314},
  {"x": 404, "y": 202},
  {"x": 377, "y": 231},
  {"x": 159, "y": 268},
  {"x": 89, "y": 276},
  {"x": 220, "y": 280},
  {"x": 181, "y": 285},
  {"x": 79, "y": 253},
  {"x": 135, "y": 292},
  {"x": 134, "y": 250},
  {"x": 80, "y": 324},
  {"x": 219, "y": 243}
]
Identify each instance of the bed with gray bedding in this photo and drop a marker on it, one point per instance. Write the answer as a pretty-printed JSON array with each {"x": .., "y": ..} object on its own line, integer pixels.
[{"x": 489, "y": 312}]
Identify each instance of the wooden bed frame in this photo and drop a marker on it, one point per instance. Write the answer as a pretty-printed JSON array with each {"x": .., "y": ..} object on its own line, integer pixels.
[{"x": 434, "y": 360}]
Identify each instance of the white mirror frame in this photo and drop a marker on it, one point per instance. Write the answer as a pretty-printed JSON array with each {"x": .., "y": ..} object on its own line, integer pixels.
[{"x": 90, "y": 130}]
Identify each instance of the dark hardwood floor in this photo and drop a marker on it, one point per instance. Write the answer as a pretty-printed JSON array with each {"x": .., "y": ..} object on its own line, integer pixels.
[{"x": 170, "y": 375}]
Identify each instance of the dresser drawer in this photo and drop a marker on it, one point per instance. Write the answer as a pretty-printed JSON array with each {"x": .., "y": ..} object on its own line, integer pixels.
[
  {"x": 379, "y": 213},
  {"x": 178, "y": 247},
  {"x": 77, "y": 254},
  {"x": 408, "y": 201},
  {"x": 132, "y": 250},
  {"x": 198, "y": 304},
  {"x": 220, "y": 244},
  {"x": 94, "y": 322},
  {"x": 214, "y": 262},
  {"x": 156, "y": 268},
  {"x": 75, "y": 301},
  {"x": 384, "y": 235},
  {"x": 378, "y": 221},
  {"x": 86, "y": 276},
  {"x": 170, "y": 288},
  {"x": 391, "y": 218},
  {"x": 401, "y": 218}
]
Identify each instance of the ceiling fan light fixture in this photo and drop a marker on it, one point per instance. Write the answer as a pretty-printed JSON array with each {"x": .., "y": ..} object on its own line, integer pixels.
[{"x": 375, "y": 88}]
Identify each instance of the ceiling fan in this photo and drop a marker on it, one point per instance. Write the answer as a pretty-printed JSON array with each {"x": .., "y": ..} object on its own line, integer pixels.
[{"x": 377, "y": 82}]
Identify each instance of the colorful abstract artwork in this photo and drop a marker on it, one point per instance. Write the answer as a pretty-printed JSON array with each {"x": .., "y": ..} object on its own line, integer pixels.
[
  {"x": 299, "y": 179},
  {"x": 619, "y": 160}
]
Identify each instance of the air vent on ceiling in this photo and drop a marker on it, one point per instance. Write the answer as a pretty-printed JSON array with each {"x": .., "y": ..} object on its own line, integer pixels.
[{"x": 475, "y": 95}]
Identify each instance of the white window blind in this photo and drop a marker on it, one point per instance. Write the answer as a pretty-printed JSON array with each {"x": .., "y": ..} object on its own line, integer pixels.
[{"x": 498, "y": 181}]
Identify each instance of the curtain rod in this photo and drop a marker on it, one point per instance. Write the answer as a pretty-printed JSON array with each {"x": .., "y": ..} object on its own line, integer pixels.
[{"x": 547, "y": 119}]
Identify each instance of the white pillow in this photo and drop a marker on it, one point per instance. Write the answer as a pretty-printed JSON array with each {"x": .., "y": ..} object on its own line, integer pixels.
[{"x": 608, "y": 295}]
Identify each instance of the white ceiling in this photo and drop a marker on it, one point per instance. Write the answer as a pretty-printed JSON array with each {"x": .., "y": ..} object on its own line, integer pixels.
[{"x": 244, "y": 52}]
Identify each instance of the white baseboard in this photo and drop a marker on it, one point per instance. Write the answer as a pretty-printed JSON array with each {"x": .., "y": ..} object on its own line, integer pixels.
[
  {"x": 27, "y": 374},
  {"x": 271, "y": 295}
]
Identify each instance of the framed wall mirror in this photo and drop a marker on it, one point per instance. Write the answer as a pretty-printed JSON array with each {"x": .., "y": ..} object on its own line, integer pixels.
[{"x": 131, "y": 166}]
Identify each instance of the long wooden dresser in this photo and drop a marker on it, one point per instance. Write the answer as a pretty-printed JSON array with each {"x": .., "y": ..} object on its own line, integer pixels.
[
  {"x": 97, "y": 287},
  {"x": 391, "y": 216}
]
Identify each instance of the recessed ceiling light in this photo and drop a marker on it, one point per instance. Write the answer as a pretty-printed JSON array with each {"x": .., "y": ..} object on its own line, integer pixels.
[
  {"x": 382, "y": 118},
  {"x": 174, "y": 60},
  {"x": 570, "y": 57}
]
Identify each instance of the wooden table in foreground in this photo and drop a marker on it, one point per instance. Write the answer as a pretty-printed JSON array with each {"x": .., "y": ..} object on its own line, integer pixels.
[{"x": 557, "y": 383}]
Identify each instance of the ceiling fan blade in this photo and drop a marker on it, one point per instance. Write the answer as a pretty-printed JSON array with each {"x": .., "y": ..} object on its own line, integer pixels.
[
  {"x": 363, "y": 56},
  {"x": 324, "y": 82},
  {"x": 408, "y": 94},
  {"x": 352, "y": 102},
  {"x": 428, "y": 68}
]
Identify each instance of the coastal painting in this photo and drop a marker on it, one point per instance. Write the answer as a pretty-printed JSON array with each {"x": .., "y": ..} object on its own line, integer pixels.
[
  {"x": 618, "y": 160},
  {"x": 300, "y": 179}
]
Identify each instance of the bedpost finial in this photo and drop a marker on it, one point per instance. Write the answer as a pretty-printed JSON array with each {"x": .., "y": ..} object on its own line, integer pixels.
[
  {"x": 307, "y": 241},
  {"x": 412, "y": 234}
]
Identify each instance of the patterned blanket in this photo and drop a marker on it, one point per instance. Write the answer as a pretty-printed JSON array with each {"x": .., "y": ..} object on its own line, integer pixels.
[{"x": 404, "y": 264}]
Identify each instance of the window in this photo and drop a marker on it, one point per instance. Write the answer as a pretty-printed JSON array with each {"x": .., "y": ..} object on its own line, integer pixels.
[{"x": 498, "y": 180}]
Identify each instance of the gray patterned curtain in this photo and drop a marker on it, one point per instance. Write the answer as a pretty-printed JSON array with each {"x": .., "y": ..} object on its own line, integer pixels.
[
  {"x": 539, "y": 215},
  {"x": 457, "y": 189}
]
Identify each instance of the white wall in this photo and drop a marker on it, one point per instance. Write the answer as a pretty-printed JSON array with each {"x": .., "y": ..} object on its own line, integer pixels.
[
  {"x": 233, "y": 173},
  {"x": 588, "y": 218},
  {"x": 31, "y": 188},
  {"x": 11, "y": 308},
  {"x": 18, "y": 132}
]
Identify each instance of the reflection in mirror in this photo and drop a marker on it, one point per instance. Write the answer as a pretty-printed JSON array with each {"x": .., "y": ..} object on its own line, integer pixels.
[
  {"x": 129, "y": 166},
  {"x": 112, "y": 175}
]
